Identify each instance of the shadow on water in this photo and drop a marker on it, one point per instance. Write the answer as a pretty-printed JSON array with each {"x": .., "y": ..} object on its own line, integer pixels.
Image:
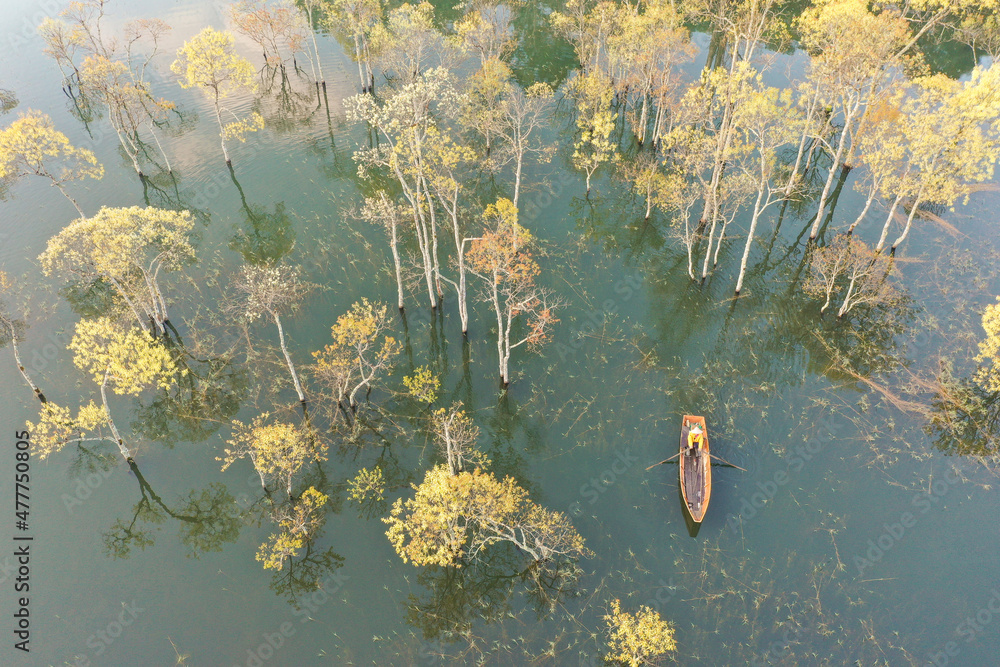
[{"x": 693, "y": 527}]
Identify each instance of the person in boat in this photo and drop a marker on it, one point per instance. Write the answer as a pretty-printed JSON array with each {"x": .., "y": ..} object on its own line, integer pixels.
[{"x": 696, "y": 439}]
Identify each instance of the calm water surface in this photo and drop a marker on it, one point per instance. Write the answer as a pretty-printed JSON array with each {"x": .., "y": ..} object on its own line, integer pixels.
[{"x": 775, "y": 573}]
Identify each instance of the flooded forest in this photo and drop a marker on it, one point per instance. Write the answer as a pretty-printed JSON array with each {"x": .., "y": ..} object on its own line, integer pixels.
[{"x": 361, "y": 332}]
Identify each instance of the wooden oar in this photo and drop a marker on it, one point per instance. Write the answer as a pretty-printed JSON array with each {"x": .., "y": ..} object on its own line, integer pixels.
[
  {"x": 663, "y": 461},
  {"x": 726, "y": 462}
]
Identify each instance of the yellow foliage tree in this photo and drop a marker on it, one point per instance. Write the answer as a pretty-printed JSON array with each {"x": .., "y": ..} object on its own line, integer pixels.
[
  {"x": 502, "y": 259},
  {"x": 594, "y": 120},
  {"x": 989, "y": 349},
  {"x": 277, "y": 450},
  {"x": 298, "y": 525},
  {"x": 638, "y": 639},
  {"x": 209, "y": 61},
  {"x": 423, "y": 385},
  {"x": 128, "y": 248},
  {"x": 127, "y": 361},
  {"x": 360, "y": 350},
  {"x": 453, "y": 517},
  {"x": 32, "y": 146}
]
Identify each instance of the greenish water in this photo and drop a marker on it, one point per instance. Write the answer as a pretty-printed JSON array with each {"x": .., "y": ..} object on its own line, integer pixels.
[{"x": 802, "y": 559}]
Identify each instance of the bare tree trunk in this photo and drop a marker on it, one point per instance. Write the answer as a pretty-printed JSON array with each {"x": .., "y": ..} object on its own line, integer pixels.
[
  {"x": 746, "y": 248},
  {"x": 864, "y": 211},
  {"x": 708, "y": 254},
  {"x": 517, "y": 176},
  {"x": 288, "y": 358},
  {"x": 21, "y": 368},
  {"x": 909, "y": 222},
  {"x": 802, "y": 143},
  {"x": 66, "y": 195},
  {"x": 845, "y": 307},
  {"x": 888, "y": 221},
  {"x": 162, "y": 152},
  {"x": 841, "y": 145},
  {"x": 222, "y": 131},
  {"x": 394, "y": 242},
  {"x": 126, "y": 454}
]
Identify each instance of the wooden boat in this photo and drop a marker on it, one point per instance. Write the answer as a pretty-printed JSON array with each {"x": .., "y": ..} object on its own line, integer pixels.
[{"x": 695, "y": 470}]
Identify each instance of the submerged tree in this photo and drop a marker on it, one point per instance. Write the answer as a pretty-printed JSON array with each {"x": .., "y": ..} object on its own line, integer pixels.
[
  {"x": 594, "y": 121},
  {"x": 856, "y": 54},
  {"x": 385, "y": 213},
  {"x": 209, "y": 61},
  {"x": 299, "y": 523},
  {"x": 31, "y": 146},
  {"x": 951, "y": 142},
  {"x": 638, "y": 639},
  {"x": 125, "y": 360},
  {"x": 359, "y": 352},
  {"x": 452, "y": 518},
  {"x": 501, "y": 257},
  {"x": 766, "y": 120},
  {"x": 407, "y": 119},
  {"x": 457, "y": 434},
  {"x": 277, "y": 28},
  {"x": 278, "y": 450},
  {"x": 358, "y": 19},
  {"x": 848, "y": 259},
  {"x": 12, "y": 331},
  {"x": 273, "y": 291},
  {"x": 128, "y": 248}
]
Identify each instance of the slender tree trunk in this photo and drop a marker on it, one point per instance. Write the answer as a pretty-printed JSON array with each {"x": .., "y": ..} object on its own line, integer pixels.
[
  {"x": 888, "y": 221},
  {"x": 845, "y": 307},
  {"x": 111, "y": 422},
  {"x": 288, "y": 358},
  {"x": 746, "y": 248},
  {"x": 222, "y": 131},
  {"x": 517, "y": 175},
  {"x": 708, "y": 253},
  {"x": 909, "y": 221},
  {"x": 864, "y": 211},
  {"x": 357, "y": 56},
  {"x": 841, "y": 145},
  {"x": 160, "y": 146},
  {"x": 20, "y": 366},
  {"x": 66, "y": 195},
  {"x": 394, "y": 242},
  {"x": 319, "y": 63},
  {"x": 500, "y": 329},
  {"x": 643, "y": 119},
  {"x": 802, "y": 142}
]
